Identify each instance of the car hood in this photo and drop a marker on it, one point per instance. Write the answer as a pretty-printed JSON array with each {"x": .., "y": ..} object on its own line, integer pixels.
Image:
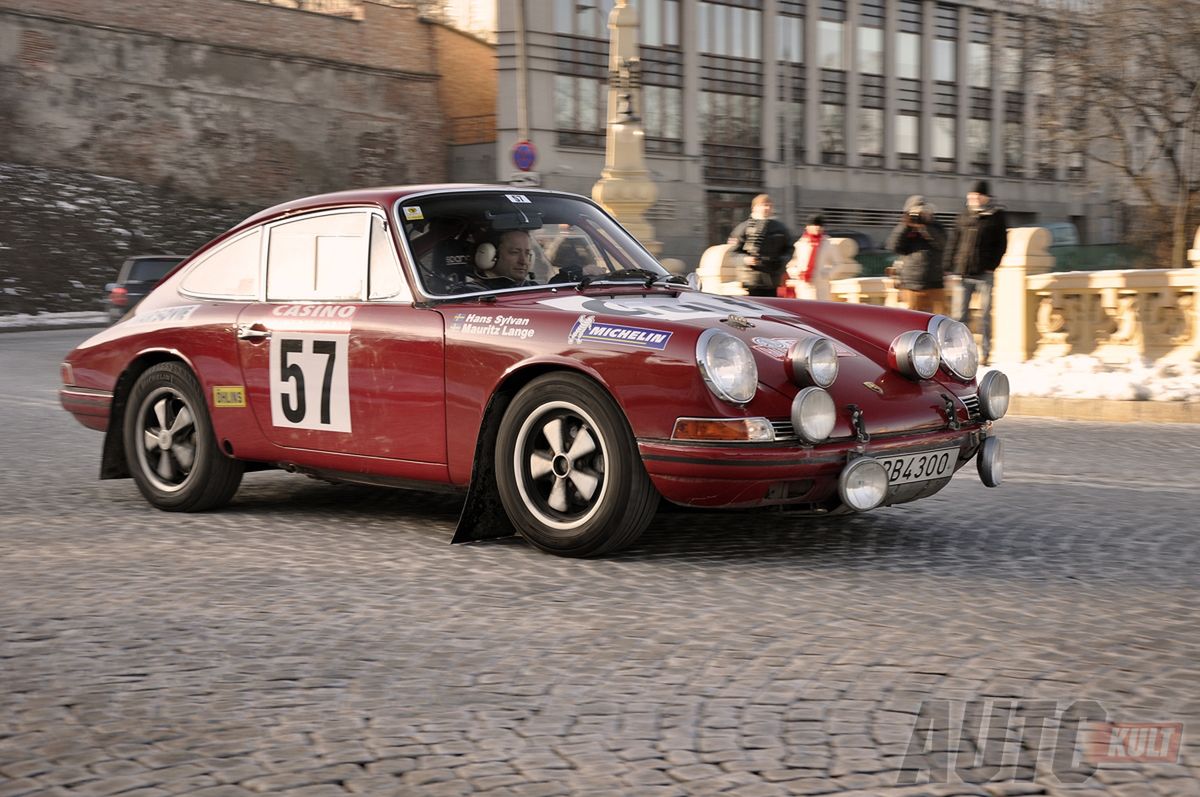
[{"x": 890, "y": 402}]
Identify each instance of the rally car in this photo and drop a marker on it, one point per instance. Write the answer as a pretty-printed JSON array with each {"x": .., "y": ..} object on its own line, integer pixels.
[{"x": 521, "y": 347}]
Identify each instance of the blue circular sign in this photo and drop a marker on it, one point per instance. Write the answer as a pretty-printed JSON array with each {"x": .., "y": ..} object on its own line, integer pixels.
[{"x": 524, "y": 155}]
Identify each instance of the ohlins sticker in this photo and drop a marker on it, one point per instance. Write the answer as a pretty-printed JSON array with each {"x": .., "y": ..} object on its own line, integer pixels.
[
  {"x": 229, "y": 396},
  {"x": 588, "y": 329}
]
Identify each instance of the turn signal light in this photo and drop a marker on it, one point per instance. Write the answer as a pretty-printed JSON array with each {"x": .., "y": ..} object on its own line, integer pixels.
[
  {"x": 118, "y": 296},
  {"x": 740, "y": 430}
]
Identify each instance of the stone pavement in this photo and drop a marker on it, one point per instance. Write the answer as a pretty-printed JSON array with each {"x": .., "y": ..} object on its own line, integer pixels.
[{"x": 316, "y": 640}]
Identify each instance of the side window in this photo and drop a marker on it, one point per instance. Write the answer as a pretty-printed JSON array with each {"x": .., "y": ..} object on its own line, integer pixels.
[
  {"x": 321, "y": 258},
  {"x": 230, "y": 271},
  {"x": 386, "y": 281}
]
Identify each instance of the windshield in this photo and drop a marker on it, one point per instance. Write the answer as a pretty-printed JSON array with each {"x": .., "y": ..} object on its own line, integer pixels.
[{"x": 473, "y": 242}]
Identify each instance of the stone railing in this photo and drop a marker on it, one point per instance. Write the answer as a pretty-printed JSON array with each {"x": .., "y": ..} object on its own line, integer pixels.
[{"x": 1128, "y": 316}]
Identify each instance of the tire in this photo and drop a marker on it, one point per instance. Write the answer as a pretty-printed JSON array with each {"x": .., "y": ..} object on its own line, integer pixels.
[
  {"x": 585, "y": 493},
  {"x": 170, "y": 446}
]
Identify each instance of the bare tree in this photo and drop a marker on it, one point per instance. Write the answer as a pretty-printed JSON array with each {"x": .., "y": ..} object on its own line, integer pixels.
[{"x": 1125, "y": 79}]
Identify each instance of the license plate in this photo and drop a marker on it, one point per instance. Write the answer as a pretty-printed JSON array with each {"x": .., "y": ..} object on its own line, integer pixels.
[{"x": 907, "y": 468}]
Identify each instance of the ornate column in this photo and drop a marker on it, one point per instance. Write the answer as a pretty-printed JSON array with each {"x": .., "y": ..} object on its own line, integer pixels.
[
  {"x": 625, "y": 189},
  {"x": 1014, "y": 313}
]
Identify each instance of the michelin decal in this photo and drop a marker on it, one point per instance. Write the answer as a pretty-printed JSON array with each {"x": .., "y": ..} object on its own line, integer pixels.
[{"x": 588, "y": 329}]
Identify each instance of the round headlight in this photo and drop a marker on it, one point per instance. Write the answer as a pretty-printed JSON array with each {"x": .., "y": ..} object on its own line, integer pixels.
[
  {"x": 863, "y": 484},
  {"x": 915, "y": 354},
  {"x": 813, "y": 361},
  {"x": 813, "y": 414},
  {"x": 993, "y": 395},
  {"x": 957, "y": 344},
  {"x": 727, "y": 366}
]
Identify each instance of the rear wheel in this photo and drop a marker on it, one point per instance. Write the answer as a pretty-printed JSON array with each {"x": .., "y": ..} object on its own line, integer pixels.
[
  {"x": 170, "y": 446},
  {"x": 568, "y": 470}
]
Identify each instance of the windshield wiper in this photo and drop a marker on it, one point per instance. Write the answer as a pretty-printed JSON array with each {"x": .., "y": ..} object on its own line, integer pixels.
[{"x": 643, "y": 275}]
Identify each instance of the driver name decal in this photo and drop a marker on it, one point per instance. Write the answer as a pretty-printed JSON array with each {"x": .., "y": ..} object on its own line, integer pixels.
[
  {"x": 587, "y": 328},
  {"x": 498, "y": 326}
]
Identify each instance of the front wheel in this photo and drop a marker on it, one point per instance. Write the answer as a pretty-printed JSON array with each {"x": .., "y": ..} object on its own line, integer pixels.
[
  {"x": 170, "y": 446},
  {"x": 568, "y": 470}
]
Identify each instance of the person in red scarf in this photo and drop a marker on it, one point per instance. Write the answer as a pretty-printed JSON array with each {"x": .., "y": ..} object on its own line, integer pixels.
[{"x": 812, "y": 264}]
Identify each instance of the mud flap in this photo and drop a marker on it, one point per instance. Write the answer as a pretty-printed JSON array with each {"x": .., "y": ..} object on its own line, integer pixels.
[{"x": 483, "y": 516}]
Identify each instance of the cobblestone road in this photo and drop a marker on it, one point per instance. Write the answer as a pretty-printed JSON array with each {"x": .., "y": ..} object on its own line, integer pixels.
[{"x": 316, "y": 640}]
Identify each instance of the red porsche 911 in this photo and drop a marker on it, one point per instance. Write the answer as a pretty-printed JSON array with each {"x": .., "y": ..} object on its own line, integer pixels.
[{"x": 521, "y": 347}]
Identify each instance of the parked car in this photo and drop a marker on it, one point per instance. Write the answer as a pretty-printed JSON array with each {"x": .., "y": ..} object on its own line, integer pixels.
[
  {"x": 135, "y": 279},
  {"x": 346, "y": 337},
  {"x": 873, "y": 258}
]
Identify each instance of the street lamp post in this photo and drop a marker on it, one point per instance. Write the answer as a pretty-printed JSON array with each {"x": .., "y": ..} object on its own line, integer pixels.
[{"x": 625, "y": 189}]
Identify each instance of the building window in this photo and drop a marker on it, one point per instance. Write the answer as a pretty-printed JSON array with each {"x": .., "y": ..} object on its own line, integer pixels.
[
  {"x": 943, "y": 60},
  {"x": 979, "y": 145},
  {"x": 726, "y": 30},
  {"x": 829, "y": 36},
  {"x": 662, "y": 112},
  {"x": 1010, "y": 68},
  {"x": 908, "y": 141},
  {"x": 979, "y": 65},
  {"x": 1014, "y": 149},
  {"x": 833, "y": 134},
  {"x": 582, "y": 18},
  {"x": 943, "y": 143},
  {"x": 791, "y": 39},
  {"x": 730, "y": 118},
  {"x": 870, "y": 51},
  {"x": 870, "y": 135},
  {"x": 658, "y": 21},
  {"x": 908, "y": 56},
  {"x": 579, "y": 103},
  {"x": 791, "y": 129}
]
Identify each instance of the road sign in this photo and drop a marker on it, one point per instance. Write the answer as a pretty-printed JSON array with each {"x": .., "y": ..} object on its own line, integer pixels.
[
  {"x": 524, "y": 155},
  {"x": 525, "y": 179}
]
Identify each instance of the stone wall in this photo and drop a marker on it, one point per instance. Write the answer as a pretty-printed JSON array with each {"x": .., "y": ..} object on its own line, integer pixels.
[{"x": 221, "y": 98}]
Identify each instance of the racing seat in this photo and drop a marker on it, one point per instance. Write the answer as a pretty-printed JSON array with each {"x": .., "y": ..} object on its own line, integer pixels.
[{"x": 451, "y": 264}]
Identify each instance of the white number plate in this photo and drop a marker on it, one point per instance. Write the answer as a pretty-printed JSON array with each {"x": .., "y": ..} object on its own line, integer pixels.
[{"x": 920, "y": 467}]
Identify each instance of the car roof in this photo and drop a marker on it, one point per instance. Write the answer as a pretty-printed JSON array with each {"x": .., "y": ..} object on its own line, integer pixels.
[{"x": 382, "y": 195}]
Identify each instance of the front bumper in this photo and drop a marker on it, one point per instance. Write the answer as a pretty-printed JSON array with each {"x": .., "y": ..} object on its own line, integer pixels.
[
  {"x": 748, "y": 475},
  {"x": 90, "y": 407}
]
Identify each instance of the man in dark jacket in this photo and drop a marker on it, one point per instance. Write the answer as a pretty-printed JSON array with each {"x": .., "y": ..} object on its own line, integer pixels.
[
  {"x": 762, "y": 247},
  {"x": 920, "y": 241},
  {"x": 976, "y": 246}
]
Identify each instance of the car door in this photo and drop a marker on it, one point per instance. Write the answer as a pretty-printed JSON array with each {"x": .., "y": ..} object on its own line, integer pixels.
[{"x": 327, "y": 368}]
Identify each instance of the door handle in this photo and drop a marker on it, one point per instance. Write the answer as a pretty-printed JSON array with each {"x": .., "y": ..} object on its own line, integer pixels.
[{"x": 252, "y": 332}]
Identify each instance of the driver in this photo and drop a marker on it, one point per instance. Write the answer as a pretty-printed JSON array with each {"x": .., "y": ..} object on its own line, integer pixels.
[{"x": 504, "y": 264}]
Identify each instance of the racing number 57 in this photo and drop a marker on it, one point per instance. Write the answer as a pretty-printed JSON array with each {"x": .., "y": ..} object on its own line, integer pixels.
[
  {"x": 307, "y": 371},
  {"x": 293, "y": 372}
]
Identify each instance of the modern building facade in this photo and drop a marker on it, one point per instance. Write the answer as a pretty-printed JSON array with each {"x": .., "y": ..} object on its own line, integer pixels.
[{"x": 843, "y": 107}]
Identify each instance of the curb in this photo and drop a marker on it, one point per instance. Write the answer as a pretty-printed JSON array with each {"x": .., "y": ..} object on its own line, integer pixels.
[
  {"x": 52, "y": 327},
  {"x": 1068, "y": 409}
]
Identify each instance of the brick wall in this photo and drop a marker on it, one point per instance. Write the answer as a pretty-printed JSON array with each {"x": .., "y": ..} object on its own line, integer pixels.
[
  {"x": 468, "y": 68},
  {"x": 221, "y": 98}
]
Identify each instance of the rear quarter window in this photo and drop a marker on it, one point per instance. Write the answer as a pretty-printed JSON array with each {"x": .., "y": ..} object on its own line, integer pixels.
[{"x": 230, "y": 271}]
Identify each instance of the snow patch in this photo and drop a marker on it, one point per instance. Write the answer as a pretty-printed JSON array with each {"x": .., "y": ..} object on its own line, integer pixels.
[{"x": 1082, "y": 376}]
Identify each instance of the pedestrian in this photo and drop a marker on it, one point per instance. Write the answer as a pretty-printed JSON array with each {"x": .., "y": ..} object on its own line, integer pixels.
[
  {"x": 813, "y": 265},
  {"x": 919, "y": 240},
  {"x": 761, "y": 248},
  {"x": 976, "y": 247}
]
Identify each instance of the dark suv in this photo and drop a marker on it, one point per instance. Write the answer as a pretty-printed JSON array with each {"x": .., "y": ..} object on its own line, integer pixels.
[{"x": 137, "y": 277}]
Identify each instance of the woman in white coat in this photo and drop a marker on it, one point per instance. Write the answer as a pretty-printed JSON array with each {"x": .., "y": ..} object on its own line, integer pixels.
[{"x": 812, "y": 264}]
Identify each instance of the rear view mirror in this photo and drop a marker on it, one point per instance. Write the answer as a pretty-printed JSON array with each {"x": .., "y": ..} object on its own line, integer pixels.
[{"x": 514, "y": 220}]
